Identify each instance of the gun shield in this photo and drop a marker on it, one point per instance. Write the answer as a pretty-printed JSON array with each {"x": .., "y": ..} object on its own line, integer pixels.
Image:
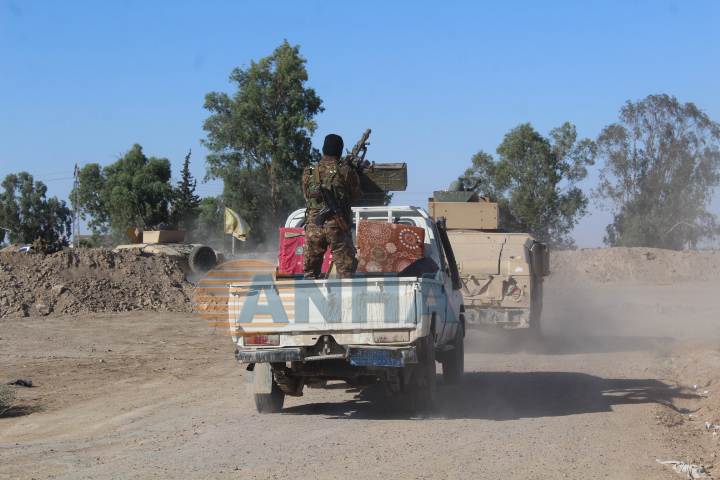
[{"x": 384, "y": 177}]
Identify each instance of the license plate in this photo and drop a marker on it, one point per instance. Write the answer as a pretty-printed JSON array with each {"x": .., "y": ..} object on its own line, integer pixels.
[{"x": 377, "y": 358}]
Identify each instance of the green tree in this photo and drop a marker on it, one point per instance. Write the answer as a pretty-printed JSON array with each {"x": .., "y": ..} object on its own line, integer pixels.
[
  {"x": 661, "y": 168},
  {"x": 133, "y": 191},
  {"x": 208, "y": 228},
  {"x": 186, "y": 205},
  {"x": 534, "y": 181},
  {"x": 25, "y": 213},
  {"x": 260, "y": 138}
]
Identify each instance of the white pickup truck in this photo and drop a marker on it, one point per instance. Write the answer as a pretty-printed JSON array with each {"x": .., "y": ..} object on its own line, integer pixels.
[{"x": 293, "y": 332}]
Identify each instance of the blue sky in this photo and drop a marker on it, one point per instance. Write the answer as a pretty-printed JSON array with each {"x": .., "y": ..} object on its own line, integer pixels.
[{"x": 82, "y": 81}]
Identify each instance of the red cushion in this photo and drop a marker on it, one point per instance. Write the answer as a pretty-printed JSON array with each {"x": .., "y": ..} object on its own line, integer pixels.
[{"x": 292, "y": 247}]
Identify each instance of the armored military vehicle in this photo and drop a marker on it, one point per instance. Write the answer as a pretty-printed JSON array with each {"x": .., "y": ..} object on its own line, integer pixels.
[
  {"x": 501, "y": 273},
  {"x": 193, "y": 258}
]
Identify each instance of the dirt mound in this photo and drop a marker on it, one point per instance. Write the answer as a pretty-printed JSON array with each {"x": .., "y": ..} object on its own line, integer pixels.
[
  {"x": 84, "y": 281},
  {"x": 644, "y": 265},
  {"x": 99, "y": 280}
]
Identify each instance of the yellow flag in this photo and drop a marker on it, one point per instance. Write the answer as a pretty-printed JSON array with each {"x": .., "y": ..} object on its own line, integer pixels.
[{"x": 236, "y": 225}]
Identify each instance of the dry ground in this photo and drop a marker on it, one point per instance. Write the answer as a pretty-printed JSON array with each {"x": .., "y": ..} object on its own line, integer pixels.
[{"x": 158, "y": 394}]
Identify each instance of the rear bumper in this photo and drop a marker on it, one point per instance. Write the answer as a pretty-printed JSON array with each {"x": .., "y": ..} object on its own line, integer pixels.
[
  {"x": 498, "y": 316},
  {"x": 265, "y": 356},
  {"x": 408, "y": 354}
]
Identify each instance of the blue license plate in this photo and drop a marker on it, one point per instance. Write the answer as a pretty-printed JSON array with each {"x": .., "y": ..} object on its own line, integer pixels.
[{"x": 377, "y": 358}]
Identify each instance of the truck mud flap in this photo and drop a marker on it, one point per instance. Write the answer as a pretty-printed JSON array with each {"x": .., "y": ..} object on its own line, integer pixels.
[
  {"x": 263, "y": 356},
  {"x": 260, "y": 379}
]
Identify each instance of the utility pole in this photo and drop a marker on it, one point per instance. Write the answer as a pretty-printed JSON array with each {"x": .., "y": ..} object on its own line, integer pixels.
[{"x": 76, "y": 209}]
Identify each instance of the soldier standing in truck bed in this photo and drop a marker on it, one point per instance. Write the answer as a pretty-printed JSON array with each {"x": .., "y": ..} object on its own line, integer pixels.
[{"x": 343, "y": 183}]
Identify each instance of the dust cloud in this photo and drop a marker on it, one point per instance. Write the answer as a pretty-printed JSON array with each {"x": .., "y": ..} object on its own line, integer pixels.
[
  {"x": 622, "y": 299},
  {"x": 651, "y": 307}
]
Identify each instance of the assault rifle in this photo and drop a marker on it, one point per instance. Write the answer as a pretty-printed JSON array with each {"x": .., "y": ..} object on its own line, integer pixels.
[
  {"x": 330, "y": 209},
  {"x": 356, "y": 158}
]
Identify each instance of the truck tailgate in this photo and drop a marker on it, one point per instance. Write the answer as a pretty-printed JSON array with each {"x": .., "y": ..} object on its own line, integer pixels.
[{"x": 243, "y": 298}]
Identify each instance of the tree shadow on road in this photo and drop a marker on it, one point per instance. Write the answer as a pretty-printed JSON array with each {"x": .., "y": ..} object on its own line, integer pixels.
[
  {"x": 500, "y": 396},
  {"x": 19, "y": 411},
  {"x": 514, "y": 395}
]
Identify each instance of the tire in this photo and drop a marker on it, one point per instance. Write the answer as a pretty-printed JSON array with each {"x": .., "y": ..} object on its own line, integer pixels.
[
  {"x": 202, "y": 259},
  {"x": 532, "y": 337},
  {"x": 270, "y": 402},
  {"x": 453, "y": 365},
  {"x": 424, "y": 394}
]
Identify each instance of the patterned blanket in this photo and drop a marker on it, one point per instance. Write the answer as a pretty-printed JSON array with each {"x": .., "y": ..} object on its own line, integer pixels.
[{"x": 387, "y": 247}]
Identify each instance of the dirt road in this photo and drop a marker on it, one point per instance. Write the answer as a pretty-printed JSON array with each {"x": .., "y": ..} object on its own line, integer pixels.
[{"x": 141, "y": 395}]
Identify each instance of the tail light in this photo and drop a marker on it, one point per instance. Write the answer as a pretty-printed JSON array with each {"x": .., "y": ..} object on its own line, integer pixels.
[
  {"x": 515, "y": 293},
  {"x": 271, "y": 340}
]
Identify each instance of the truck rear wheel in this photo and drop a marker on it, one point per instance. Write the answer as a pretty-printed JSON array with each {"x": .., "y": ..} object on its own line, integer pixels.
[
  {"x": 202, "y": 259},
  {"x": 270, "y": 402},
  {"x": 424, "y": 394},
  {"x": 453, "y": 365}
]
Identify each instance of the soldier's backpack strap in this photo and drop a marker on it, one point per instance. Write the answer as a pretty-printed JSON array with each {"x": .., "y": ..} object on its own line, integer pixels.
[
  {"x": 315, "y": 200},
  {"x": 327, "y": 181}
]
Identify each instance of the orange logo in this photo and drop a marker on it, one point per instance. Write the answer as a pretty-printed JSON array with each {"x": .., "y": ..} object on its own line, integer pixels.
[{"x": 223, "y": 291}]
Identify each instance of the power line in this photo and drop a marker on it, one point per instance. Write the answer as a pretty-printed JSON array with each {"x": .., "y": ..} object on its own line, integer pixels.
[{"x": 48, "y": 174}]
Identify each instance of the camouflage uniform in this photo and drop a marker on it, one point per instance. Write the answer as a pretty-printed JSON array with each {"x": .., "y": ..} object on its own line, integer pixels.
[{"x": 346, "y": 186}]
